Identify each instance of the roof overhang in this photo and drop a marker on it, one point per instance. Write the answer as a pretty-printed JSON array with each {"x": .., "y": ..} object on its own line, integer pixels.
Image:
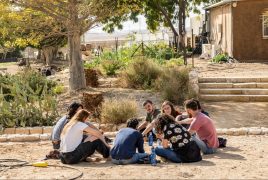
[{"x": 223, "y": 2}]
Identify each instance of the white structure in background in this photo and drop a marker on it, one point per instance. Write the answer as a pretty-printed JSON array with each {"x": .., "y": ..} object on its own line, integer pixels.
[{"x": 196, "y": 24}]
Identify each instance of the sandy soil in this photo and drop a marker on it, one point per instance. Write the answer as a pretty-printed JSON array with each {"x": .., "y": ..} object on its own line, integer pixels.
[
  {"x": 208, "y": 69},
  {"x": 240, "y": 160}
]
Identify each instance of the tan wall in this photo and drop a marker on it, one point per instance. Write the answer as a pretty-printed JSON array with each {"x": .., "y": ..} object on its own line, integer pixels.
[
  {"x": 247, "y": 31},
  {"x": 220, "y": 28}
]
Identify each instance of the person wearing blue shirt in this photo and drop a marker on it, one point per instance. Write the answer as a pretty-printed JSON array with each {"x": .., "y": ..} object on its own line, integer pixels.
[{"x": 127, "y": 141}]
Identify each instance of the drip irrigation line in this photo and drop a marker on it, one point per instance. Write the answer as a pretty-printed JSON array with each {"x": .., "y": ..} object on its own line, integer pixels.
[{"x": 20, "y": 163}]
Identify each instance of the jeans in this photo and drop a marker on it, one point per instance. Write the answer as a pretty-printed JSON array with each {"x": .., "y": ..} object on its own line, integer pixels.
[
  {"x": 84, "y": 150},
  {"x": 168, "y": 154},
  {"x": 203, "y": 146},
  {"x": 135, "y": 158}
]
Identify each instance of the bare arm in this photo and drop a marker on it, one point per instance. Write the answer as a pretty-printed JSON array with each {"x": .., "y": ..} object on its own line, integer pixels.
[
  {"x": 185, "y": 121},
  {"x": 96, "y": 133},
  {"x": 165, "y": 143},
  {"x": 149, "y": 127},
  {"x": 143, "y": 125}
]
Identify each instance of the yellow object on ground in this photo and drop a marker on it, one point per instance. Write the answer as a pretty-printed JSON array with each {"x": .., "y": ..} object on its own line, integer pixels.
[{"x": 40, "y": 164}]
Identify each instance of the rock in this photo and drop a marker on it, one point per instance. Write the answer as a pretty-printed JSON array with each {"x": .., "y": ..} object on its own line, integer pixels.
[
  {"x": 32, "y": 137},
  {"x": 110, "y": 134},
  {"x": 230, "y": 131},
  {"x": 45, "y": 137},
  {"x": 224, "y": 131},
  {"x": 22, "y": 131},
  {"x": 107, "y": 127},
  {"x": 264, "y": 131},
  {"x": 15, "y": 137},
  {"x": 47, "y": 129},
  {"x": 36, "y": 130},
  {"x": 121, "y": 126},
  {"x": 9, "y": 130},
  {"x": 97, "y": 125},
  {"x": 242, "y": 131},
  {"x": 3, "y": 138},
  {"x": 219, "y": 131},
  {"x": 255, "y": 131}
]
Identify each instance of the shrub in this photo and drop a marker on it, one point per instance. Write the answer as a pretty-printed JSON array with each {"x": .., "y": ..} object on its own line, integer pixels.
[
  {"x": 59, "y": 89},
  {"x": 118, "y": 111},
  {"x": 141, "y": 73},
  {"x": 110, "y": 67},
  {"x": 220, "y": 58},
  {"x": 174, "y": 62},
  {"x": 173, "y": 85},
  {"x": 27, "y": 99}
]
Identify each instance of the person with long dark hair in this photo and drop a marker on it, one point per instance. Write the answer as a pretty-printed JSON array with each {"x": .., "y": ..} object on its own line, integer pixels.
[
  {"x": 73, "y": 148},
  {"x": 184, "y": 149},
  {"x": 71, "y": 111}
]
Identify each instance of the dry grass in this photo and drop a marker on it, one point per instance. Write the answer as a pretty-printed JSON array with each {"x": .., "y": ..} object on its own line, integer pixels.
[{"x": 118, "y": 111}]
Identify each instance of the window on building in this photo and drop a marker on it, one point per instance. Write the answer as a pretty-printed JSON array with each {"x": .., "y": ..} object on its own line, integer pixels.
[{"x": 265, "y": 26}]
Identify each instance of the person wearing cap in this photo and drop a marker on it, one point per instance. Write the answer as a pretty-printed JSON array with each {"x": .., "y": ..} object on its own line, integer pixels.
[{"x": 126, "y": 142}]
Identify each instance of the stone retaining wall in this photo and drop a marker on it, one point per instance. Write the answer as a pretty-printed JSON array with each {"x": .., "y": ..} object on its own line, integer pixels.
[{"x": 31, "y": 134}]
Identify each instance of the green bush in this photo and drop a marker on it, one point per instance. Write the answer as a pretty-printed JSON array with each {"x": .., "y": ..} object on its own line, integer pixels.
[
  {"x": 59, "y": 89},
  {"x": 174, "y": 62},
  {"x": 173, "y": 85},
  {"x": 220, "y": 58},
  {"x": 27, "y": 99},
  {"x": 118, "y": 111},
  {"x": 110, "y": 67},
  {"x": 141, "y": 73}
]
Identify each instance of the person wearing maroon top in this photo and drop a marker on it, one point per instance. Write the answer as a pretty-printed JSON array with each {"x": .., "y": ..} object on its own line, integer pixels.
[{"x": 203, "y": 126}]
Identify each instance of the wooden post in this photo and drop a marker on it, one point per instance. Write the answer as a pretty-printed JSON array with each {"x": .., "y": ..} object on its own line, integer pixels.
[{"x": 192, "y": 48}]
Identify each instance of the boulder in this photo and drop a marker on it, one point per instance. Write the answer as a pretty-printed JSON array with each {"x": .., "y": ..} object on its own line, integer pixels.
[
  {"x": 15, "y": 137},
  {"x": 242, "y": 131},
  {"x": 255, "y": 131},
  {"x": 22, "y": 130},
  {"x": 264, "y": 131},
  {"x": 32, "y": 137},
  {"x": 47, "y": 129},
  {"x": 110, "y": 134},
  {"x": 9, "y": 130},
  {"x": 36, "y": 130},
  {"x": 45, "y": 137},
  {"x": 3, "y": 138}
]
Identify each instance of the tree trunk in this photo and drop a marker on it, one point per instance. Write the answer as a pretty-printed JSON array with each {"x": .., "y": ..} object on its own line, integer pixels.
[
  {"x": 50, "y": 54},
  {"x": 77, "y": 75},
  {"x": 182, "y": 11}
]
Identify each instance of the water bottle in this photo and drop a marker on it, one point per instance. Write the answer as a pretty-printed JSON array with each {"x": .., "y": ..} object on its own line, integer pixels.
[
  {"x": 159, "y": 142},
  {"x": 150, "y": 139},
  {"x": 153, "y": 157}
]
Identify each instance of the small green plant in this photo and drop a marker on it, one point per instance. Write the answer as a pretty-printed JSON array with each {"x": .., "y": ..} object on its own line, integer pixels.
[
  {"x": 142, "y": 73},
  {"x": 110, "y": 67},
  {"x": 59, "y": 89},
  {"x": 174, "y": 62},
  {"x": 118, "y": 111},
  {"x": 220, "y": 58}
]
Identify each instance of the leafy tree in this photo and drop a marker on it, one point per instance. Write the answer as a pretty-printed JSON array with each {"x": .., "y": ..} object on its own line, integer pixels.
[
  {"x": 22, "y": 27},
  {"x": 77, "y": 17}
]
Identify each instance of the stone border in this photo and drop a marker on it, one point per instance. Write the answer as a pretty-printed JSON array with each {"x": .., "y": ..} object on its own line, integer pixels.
[
  {"x": 47, "y": 136},
  {"x": 29, "y": 130}
]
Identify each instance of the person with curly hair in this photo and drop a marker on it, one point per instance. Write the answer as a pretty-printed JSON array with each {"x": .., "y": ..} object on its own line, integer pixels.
[{"x": 184, "y": 149}]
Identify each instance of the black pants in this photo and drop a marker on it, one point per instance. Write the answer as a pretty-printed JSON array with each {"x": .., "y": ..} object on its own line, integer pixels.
[{"x": 84, "y": 150}]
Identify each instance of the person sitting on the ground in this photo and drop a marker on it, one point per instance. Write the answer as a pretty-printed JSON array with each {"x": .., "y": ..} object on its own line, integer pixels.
[
  {"x": 200, "y": 108},
  {"x": 152, "y": 114},
  {"x": 73, "y": 148},
  {"x": 72, "y": 109},
  {"x": 184, "y": 149},
  {"x": 126, "y": 142},
  {"x": 207, "y": 139},
  {"x": 168, "y": 109}
]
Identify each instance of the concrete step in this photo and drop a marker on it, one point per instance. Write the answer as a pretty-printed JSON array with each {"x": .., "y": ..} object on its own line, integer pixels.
[
  {"x": 234, "y": 97},
  {"x": 261, "y": 85},
  {"x": 231, "y": 80},
  {"x": 241, "y": 91}
]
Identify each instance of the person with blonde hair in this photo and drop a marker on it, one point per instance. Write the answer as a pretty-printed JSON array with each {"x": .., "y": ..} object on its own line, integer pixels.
[{"x": 73, "y": 149}]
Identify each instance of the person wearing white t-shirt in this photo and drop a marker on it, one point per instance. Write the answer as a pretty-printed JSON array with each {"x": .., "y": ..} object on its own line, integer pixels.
[{"x": 73, "y": 150}]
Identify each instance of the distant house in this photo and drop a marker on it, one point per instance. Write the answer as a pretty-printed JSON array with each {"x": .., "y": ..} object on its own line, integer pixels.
[{"x": 240, "y": 28}]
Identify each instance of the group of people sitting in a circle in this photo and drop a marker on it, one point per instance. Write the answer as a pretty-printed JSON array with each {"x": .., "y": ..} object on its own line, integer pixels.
[{"x": 183, "y": 136}]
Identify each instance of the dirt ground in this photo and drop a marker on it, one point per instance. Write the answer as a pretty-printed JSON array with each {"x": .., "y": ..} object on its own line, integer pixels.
[{"x": 240, "y": 160}]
